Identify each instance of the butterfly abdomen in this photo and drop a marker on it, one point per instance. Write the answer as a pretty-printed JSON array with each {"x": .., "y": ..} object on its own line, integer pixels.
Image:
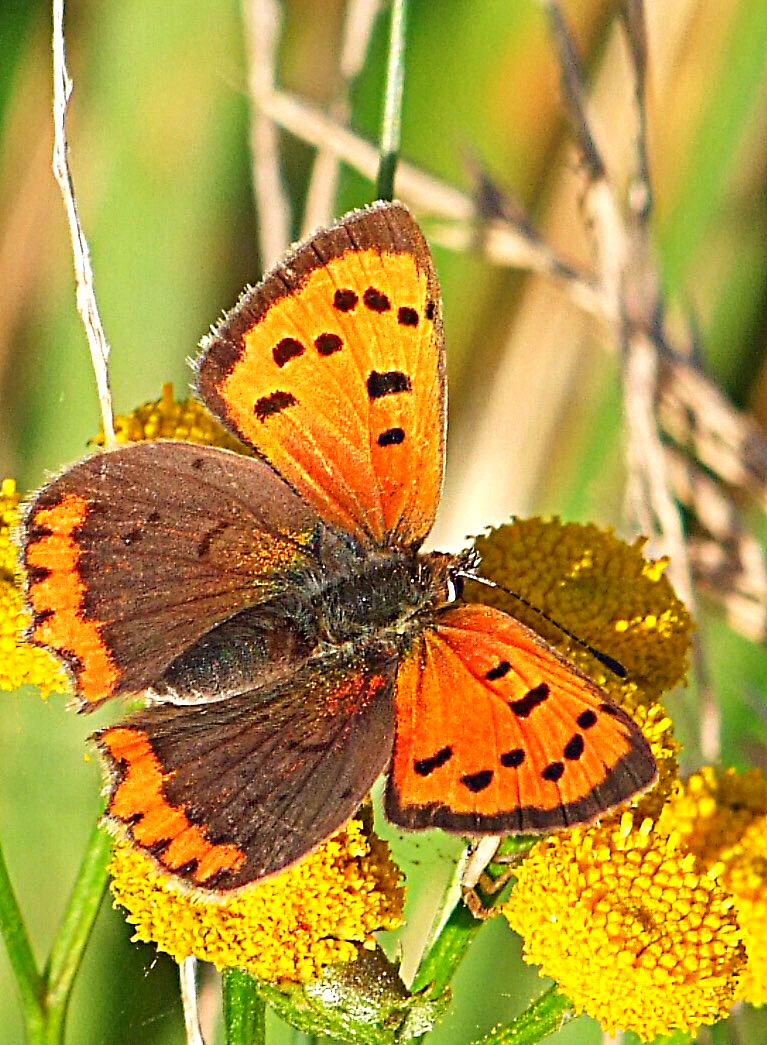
[{"x": 251, "y": 650}]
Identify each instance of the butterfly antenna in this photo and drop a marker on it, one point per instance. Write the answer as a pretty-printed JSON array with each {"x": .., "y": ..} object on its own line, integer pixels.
[{"x": 609, "y": 662}]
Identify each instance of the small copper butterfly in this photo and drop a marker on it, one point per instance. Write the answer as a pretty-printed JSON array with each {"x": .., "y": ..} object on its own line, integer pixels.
[{"x": 291, "y": 640}]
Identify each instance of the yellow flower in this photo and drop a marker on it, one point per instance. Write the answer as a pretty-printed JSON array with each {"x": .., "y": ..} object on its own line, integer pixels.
[
  {"x": 21, "y": 663},
  {"x": 630, "y": 926},
  {"x": 600, "y": 588},
  {"x": 623, "y": 915},
  {"x": 167, "y": 418},
  {"x": 722, "y": 817},
  {"x": 288, "y": 928},
  {"x": 607, "y": 595}
]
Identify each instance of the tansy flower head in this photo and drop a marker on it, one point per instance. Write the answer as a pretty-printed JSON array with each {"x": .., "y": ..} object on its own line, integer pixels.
[
  {"x": 608, "y": 595},
  {"x": 722, "y": 817},
  {"x": 168, "y": 418},
  {"x": 287, "y": 928},
  {"x": 21, "y": 663},
  {"x": 633, "y": 930},
  {"x": 600, "y": 588}
]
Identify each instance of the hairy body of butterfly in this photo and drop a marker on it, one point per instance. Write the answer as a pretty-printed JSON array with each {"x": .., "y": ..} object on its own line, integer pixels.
[{"x": 292, "y": 639}]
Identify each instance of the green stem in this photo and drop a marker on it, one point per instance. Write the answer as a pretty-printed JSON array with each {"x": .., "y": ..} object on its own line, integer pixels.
[
  {"x": 391, "y": 123},
  {"x": 720, "y": 1033},
  {"x": 71, "y": 940},
  {"x": 28, "y": 978},
  {"x": 545, "y": 1016},
  {"x": 457, "y": 931},
  {"x": 440, "y": 962},
  {"x": 244, "y": 1009}
]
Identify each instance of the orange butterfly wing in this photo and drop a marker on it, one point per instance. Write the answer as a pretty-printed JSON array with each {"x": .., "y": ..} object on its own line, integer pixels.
[
  {"x": 498, "y": 733},
  {"x": 333, "y": 369}
]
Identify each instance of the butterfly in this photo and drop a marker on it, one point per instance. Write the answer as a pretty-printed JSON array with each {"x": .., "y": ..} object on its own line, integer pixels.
[{"x": 290, "y": 638}]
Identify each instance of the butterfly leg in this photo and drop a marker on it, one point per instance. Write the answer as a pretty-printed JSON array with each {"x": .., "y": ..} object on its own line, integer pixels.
[{"x": 478, "y": 886}]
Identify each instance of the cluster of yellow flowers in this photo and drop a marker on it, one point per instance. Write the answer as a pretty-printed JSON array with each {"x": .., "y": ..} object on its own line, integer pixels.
[
  {"x": 169, "y": 418},
  {"x": 653, "y": 920},
  {"x": 288, "y": 928},
  {"x": 640, "y": 928},
  {"x": 20, "y": 662}
]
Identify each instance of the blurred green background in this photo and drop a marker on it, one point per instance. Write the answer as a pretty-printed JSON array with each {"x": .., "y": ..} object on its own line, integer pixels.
[{"x": 159, "y": 149}]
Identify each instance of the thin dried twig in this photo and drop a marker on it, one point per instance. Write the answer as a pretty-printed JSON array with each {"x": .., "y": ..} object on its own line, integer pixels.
[
  {"x": 85, "y": 295},
  {"x": 641, "y": 195},
  {"x": 647, "y": 460},
  {"x": 501, "y": 241},
  {"x": 263, "y": 19},
  {"x": 733, "y": 576},
  {"x": 698, "y": 416},
  {"x": 187, "y": 974},
  {"x": 727, "y": 561},
  {"x": 627, "y": 276}
]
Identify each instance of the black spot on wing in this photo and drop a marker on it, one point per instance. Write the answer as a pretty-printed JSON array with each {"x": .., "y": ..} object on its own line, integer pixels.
[
  {"x": 345, "y": 300},
  {"x": 554, "y": 771},
  {"x": 587, "y": 719},
  {"x": 513, "y": 759},
  {"x": 390, "y": 382},
  {"x": 274, "y": 403},
  {"x": 327, "y": 344},
  {"x": 574, "y": 748},
  {"x": 476, "y": 782},
  {"x": 36, "y": 574},
  {"x": 525, "y": 706},
  {"x": 376, "y": 300},
  {"x": 407, "y": 317},
  {"x": 426, "y": 766},
  {"x": 501, "y": 669},
  {"x": 287, "y": 349},
  {"x": 391, "y": 437}
]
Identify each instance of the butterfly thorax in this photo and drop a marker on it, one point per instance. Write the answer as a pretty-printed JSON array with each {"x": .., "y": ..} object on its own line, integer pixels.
[
  {"x": 386, "y": 597},
  {"x": 389, "y": 591}
]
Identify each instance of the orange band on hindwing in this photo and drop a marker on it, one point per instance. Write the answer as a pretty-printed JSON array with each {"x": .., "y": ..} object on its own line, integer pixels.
[
  {"x": 57, "y": 597},
  {"x": 138, "y": 802}
]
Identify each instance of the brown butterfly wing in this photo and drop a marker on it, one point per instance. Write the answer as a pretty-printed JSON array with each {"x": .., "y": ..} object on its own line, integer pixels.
[
  {"x": 225, "y": 793},
  {"x": 136, "y": 553},
  {"x": 498, "y": 733},
  {"x": 333, "y": 369}
]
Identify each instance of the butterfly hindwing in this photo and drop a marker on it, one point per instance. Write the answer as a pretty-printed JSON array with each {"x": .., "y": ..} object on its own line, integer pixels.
[
  {"x": 333, "y": 369},
  {"x": 226, "y": 793},
  {"x": 498, "y": 733},
  {"x": 136, "y": 553}
]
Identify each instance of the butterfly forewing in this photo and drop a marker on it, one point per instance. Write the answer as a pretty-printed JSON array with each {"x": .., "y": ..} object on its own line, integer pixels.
[
  {"x": 497, "y": 733},
  {"x": 227, "y": 793},
  {"x": 333, "y": 369},
  {"x": 136, "y": 553}
]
